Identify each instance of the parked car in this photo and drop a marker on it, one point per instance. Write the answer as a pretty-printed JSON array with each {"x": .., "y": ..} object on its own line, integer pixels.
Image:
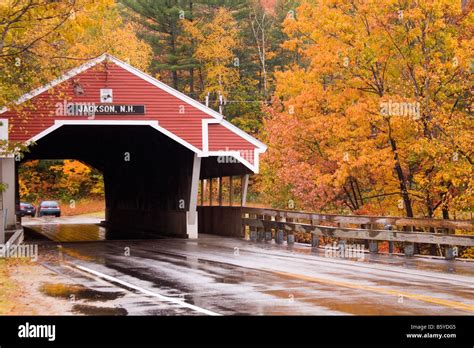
[
  {"x": 27, "y": 209},
  {"x": 49, "y": 208}
]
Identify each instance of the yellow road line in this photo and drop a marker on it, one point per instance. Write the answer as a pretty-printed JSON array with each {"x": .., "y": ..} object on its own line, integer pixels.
[{"x": 435, "y": 300}]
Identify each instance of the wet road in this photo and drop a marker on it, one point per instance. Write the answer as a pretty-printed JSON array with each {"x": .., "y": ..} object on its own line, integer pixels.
[{"x": 216, "y": 275}]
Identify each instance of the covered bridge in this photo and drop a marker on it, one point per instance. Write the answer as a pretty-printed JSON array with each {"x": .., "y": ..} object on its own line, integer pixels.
[{"x": 152, "y": 143}]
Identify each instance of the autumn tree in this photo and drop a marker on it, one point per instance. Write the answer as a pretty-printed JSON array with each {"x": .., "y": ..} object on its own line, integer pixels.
[
  {"x": 216, "y": 42},
  {"x": 59, "y": 179},
  {"x": 376, "y": 110},
  {"x": 40, "y": 39}
]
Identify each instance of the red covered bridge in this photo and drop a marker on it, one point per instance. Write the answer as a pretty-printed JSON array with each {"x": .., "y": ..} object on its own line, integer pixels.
[{"x": 151, "y": 142}]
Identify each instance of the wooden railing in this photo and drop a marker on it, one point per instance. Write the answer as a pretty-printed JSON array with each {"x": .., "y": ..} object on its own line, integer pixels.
[{"x": 268, "y": 224}]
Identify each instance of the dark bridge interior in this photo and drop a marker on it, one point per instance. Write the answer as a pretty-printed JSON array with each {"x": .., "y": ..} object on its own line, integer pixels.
[{"x": 147, "y": 175}]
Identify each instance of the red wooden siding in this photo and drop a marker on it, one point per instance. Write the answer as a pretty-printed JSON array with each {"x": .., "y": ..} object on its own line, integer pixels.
[{"x": 129, "y": 87}]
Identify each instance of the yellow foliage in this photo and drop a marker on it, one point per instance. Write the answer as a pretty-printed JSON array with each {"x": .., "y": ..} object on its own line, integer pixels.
[
  {"x": 376, "y": 109},
  {"x": 50, "y": 37},
  {"x": 215, "y": 44}
]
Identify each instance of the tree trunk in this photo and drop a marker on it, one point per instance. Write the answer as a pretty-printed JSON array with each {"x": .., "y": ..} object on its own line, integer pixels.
[{"x": 400, "y": 175}]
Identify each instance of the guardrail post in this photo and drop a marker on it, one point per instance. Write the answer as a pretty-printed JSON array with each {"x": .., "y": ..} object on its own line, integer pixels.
[
  {"x": 409, "y": 249},
  {"x": 253, "y": 229},
  {"x": 279, "y": 233},
  {"x": 389, "y": 227},
  {"x": 341, "y": 247},
  {"x": 450, "y": 252},
  {"x": 390, "y": 247},
  {"x": 260, "y": 230},
  {"x": 244, "y": 225},
  {"x": 314, "y": 240},
  {"x": 268, "y": 236},
  {"x": 268, "y": 231},
  {"x": 373, "y": 246},
  {"x": 260, "y": 234},
  {"x": 253, "y": 233},
  {"x": 290, "y": 238}
]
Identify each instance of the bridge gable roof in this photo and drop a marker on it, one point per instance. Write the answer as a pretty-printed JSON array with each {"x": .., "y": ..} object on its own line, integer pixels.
[{"x": 171, "y": 112}]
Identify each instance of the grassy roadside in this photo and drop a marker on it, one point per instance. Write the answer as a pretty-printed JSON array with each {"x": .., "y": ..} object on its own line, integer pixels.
[
  {"x": 83, "y": 207},
  {"x": 9, "y": 289}
]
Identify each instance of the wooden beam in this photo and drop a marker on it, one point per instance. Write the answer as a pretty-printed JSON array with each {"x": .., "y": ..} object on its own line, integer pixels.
[
  {"x": 467, "y": 225},
  {"x": 204, "y": 189},
  {"x": 202, "y": 192},
  {"x": 220, "y": 191},
  {"x": 357, "y": 233},
  {"x": 231, "y": 193},
  {"x": 210, "y": 191}
]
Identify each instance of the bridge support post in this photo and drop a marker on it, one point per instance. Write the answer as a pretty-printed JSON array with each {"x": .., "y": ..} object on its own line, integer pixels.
[
  {"x": 244, "y": 185},
  {"x": 409, "y": 249},
  {"x": 373, "y": 246},
  {"x": 210, "y": 191},
  {"x": 7, "y": 177},
  {"x": 191, "y": 214},
  {"x": 220, "y": 191},
  {"x": 231, "y": 190}
]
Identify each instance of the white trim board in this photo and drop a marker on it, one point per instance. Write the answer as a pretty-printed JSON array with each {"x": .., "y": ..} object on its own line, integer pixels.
[{"x": 152, "y": 123}]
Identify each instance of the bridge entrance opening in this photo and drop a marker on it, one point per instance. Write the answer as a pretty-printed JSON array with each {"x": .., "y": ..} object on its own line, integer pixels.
[
  {"x": 62, "y": 200},
  {"x": 147, "y": 176}
]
